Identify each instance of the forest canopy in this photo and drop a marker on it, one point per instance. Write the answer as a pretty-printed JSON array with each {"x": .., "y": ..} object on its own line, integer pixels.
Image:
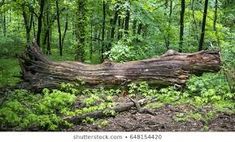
[{"x": 93, "y": 31}]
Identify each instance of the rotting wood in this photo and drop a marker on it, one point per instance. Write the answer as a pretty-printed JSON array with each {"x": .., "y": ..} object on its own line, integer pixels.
[{"x": 38, "y": 72}]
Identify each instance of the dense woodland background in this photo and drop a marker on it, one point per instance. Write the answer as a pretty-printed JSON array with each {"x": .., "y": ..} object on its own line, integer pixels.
[{"x": 92, "y": 31}]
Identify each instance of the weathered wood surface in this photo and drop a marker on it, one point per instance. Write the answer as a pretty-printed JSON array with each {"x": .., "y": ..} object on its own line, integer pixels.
[{"x": 170, "y": 68}]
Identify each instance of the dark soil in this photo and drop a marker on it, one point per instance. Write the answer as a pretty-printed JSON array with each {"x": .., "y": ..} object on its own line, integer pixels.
[{"x": 163, "y": 121}]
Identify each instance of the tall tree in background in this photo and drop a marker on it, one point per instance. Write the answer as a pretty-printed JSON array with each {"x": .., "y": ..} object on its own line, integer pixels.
[
  {"x": 127, "y": 18},
  {"x": 200, "y": 47},
  {"x": 215, "y": 21},
  {"x": 215, "y": 15},
  {"x": 114, "y": 22},
  {"x": 167, "y": 40},
  {"x": 181, "y": 25},
  {"x": 47, "y": 29},
  {"x": 103, "y": 29},
  {"x": 194, "y": 25},
  {"x": 120, "y": 23},
  {"x": 59, "y": 28},
  {"x": 40, "y": 17},
  {"x": 4, "y": 24},
  {"x": 65, "y": 28},
  {"x": 80, "y": 30},
  {"x": 28, "y": 19}
]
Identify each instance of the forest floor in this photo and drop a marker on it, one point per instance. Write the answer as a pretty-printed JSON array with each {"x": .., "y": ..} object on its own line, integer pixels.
[
  {"x": 173, "y": 118},
  {"x": 164, "y": 120}
]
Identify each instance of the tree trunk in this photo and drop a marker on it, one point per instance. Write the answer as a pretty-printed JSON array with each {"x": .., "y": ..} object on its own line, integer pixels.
[
  {"x": 65, "y": 29},
  {"x": 28, "y": 21},
  {"x": 4, "y": 24},
  {"x": 182, "y": 25},
  {"x": 80, "y": 30},
  {"x": 103, "y": 30},
  {"x": 27, "y": 28},
  {"x": 171, "y": 68},
  {"x": 127, "y": 20},
  {"x": 134, "y": 27},
  {"x": 48, "y": 30},
  {"x": 194, "y": 25},
  {"x": 91, "y": 42},
  {"x": 169, "y": 25},
  {"x": 215, "y": 15},
  {"x": 200, "y": 47},
  {"x": 42, "y": 2},
  {"x": 215, "y": 21},
  {"x": 59, "y": 29},
  {"x": 114, "y": 21},
  {"x": 139, "y": 28},
  {"x": 34, "y": 29},
  {"x": 119, "y": 28}
]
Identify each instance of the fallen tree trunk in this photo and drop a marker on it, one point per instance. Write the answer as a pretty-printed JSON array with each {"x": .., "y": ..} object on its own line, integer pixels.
[{"x": 171, "y": 68}]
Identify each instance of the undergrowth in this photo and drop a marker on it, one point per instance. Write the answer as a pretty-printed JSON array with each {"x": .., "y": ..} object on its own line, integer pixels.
[
  {"x": 23, "y": 110},
  {"x": 9, "y": 70}
]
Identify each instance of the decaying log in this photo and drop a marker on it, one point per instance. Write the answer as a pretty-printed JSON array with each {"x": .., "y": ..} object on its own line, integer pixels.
[
  {"x": 101, "y": 114},
  {"x": 171, "y": 68}
]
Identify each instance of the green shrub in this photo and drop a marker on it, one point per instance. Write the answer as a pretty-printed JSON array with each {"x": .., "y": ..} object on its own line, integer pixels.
[
  {"x": 23, "y": 110},
  {"x": 10, "y": 46},
  {"x": 122, "y": 52}
]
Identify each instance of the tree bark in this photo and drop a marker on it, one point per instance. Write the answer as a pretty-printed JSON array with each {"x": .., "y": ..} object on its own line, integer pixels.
[
  {"x": 28, "y": 21},
  {"x": 169, "y": 25},
  {"x": 91, "y": 41},
  {"x": 48, "y": 30},
  {"x": 182, "y": 25},
  {"x": 119, "y": 27},
  {"x": 194, "y": 25},
  {"x": 4, "y": 24},
  {"x": 139, "y": 28},
  {"x": 215, "y": 22},
  {"x": 171, "y": 68},
  {"x": 59, "y": 28},
  {"x": 42, "y": 3},
  {"x": 65, "y": 29},
  {"x": 103, "y": 30},
  {"x": 127, "y": 20},
  {"x": 80, "y": 30},
  {"x": 134, "y": 25},
  {"x": 114, "y": 21},
  {"x": 200, "y": 47}
]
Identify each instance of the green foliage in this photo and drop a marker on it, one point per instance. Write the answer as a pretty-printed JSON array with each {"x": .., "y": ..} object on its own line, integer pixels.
[
  {"x": 22, "y": 110},
  {"x": 142, "y": 89},
  {"x": 101, "y": 123},
  {"x": 121, "y": 52},
  {"x": 9, "y": 69},
  {"x": 71, "y": 88},
  {"x": 8, "y": 47},
  {"x": 96, "y": 99},
  {"x": 68, "y": 54},
  {"x": 209, "y": 89},
  {"x": 182, "y": 117}
]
